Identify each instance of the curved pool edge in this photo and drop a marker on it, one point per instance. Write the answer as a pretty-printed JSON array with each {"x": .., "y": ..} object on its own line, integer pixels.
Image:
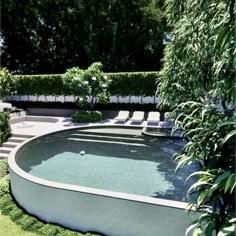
[{"x": 65, "y": 204}]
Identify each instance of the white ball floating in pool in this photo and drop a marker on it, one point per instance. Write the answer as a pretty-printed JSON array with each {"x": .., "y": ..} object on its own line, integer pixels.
[{"x": 82, "y": 153}]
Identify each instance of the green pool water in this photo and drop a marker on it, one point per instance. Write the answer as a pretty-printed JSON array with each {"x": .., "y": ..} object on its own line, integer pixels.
[{"x": 119, "y": 162}]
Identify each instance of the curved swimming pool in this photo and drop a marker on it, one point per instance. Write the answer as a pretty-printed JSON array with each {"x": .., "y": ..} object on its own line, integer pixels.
[{"x": 103, "y": 179}]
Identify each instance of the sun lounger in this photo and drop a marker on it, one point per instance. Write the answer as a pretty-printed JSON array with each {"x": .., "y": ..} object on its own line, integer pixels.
[
  {"x": 153, "y": 116},
  {"x": 122, "y": 116},
  {"x": 138, "y": 116}
]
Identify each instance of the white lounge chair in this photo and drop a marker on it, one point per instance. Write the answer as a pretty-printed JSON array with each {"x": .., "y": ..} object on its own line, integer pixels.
[
  {"x": 5, "y": 106},
  {"x": 122, "y": 116},
  {"x": 138, "y": 116},
  {"x": 153, "y": 116}
]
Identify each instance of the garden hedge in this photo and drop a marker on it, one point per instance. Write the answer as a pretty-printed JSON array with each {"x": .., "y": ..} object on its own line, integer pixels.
[
  {"x": 5, "y": 129},
  {"x": 124, "y": 84},
  {"x": 133, "y": 83}
]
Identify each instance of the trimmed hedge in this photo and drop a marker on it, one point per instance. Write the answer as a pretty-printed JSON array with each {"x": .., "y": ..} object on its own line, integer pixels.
[
  {"x": 133, "y": 83},
  {"x": 5, "y": 129},
  {"x": 87, "y": 116},
  {"x": 124, "y": 84},
  {"x": 41, "y": 85}
]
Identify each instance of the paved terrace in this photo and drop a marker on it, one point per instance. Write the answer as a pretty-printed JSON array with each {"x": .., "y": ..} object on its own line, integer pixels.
[{"x": 35, "y": 125}]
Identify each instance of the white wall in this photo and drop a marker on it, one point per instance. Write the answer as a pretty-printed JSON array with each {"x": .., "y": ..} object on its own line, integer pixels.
[
  {"x": 99, "y": 213},
  {"x": 112, "y": 99}
]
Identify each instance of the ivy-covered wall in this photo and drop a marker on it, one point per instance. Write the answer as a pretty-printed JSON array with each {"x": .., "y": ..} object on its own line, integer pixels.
[{"x": 123, "y": 84}]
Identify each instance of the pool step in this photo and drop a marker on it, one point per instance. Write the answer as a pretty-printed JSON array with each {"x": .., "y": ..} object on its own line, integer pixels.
[
  {"x": 17, "y": 139},
  {"x": 5, "y": 150},
  {"x": 107, "y": 142},
  {"x": 26, "y": 136},
  {"x": 107, "y": 137},
  {"x": 11, "y": 143},
  {"x": 3, "y": 156},
  {"x": 112, "y": 133}
]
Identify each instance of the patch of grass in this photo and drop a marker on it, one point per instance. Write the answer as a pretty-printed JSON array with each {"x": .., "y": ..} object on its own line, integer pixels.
[{"x": 9, "y": 228}]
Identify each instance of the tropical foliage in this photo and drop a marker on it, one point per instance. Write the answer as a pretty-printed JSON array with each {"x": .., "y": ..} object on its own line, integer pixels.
[
  {"x": 45, "y": 37},
  {"x": 198, "y": 81}
]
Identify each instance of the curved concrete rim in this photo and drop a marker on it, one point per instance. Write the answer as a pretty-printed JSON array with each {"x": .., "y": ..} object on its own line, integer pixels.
[{"x": 131, "y": 197}]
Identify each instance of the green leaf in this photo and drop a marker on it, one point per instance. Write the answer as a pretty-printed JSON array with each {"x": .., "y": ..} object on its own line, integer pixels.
[
  {"x": 228, "y": 136},
  {"x": 191, "y": 227},
  {"x": 227, "y": 231},
  {"x": 232, "y": 189},
  {"x": 199, "y": 173},
  {"x": 197, "y": 232},
  {"x": 182, "y": 162},
  {"x": 229, "y": 183},
  {"x": 210, "y": 228},
  {"x": 202, "y": 197},
  {"x": 198, "y": 184}
]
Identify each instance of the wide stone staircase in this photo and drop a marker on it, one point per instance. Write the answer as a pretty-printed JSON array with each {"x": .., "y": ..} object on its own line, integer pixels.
[{"x": 12, "y": 142}]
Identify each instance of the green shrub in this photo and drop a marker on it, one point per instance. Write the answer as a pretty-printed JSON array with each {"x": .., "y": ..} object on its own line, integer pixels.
[
  {"x": 86, "y": 116},
  {"x": 7, "y": 206},
  {"x": 37, "y": 226},
  {"x": 4, "y": 186},
  {"x": 41, "y": 85},
  {"x": 27, "y": 222},
  {"x": 3, "y": 169},
  {"x": 16, "y": 214},
  {"x": 68, "y": 233},
  {"x": 133, "y": 83},
  {"x": 124, "y": 84},
  {"x": 7, "y": 85},
  {"x": 48, "y": 229},
  {"x": 5, "y": 200},
  {"x": 5, "y": 129}
]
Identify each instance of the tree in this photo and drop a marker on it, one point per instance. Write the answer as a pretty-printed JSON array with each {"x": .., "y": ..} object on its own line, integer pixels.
[
  {"x": 90, "y": 85},
  {"x": 7, "y": 84},
  {"x": 51, "y": 36},
  {"x": 198, "y": 78}
]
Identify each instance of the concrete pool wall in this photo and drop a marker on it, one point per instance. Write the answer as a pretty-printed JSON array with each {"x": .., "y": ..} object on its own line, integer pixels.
[{"x": 90, "y": 209}]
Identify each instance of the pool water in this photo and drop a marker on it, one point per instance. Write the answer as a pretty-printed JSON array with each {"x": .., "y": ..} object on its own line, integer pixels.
[{"x": 125, "y": 163}]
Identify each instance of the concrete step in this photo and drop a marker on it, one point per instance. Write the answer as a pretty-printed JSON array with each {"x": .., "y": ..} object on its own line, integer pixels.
[
  {"x": 3, "y": 156},
  {"x": 16, "y": 139},
  {"x": 5, "y": 149},
  {"x": 26, "y": 136},
  {"x": 107, "y": 137},
  {"x": 9, "y": 144},
  {"x": 112, "y": 132}
]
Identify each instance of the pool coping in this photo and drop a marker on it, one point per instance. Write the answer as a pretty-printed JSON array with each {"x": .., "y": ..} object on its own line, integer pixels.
[{"x": 93, "y": 191}]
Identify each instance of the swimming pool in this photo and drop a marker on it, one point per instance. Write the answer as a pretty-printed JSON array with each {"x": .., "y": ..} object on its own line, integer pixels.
[{"x": 92, "y": 179}]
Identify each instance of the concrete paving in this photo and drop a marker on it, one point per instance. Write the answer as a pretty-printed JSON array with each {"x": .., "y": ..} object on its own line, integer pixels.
[{"x": 36, "y": 128}]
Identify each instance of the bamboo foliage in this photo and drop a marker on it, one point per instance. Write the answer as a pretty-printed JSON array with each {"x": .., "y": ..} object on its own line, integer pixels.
[{"x": 198, "y": 74}]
